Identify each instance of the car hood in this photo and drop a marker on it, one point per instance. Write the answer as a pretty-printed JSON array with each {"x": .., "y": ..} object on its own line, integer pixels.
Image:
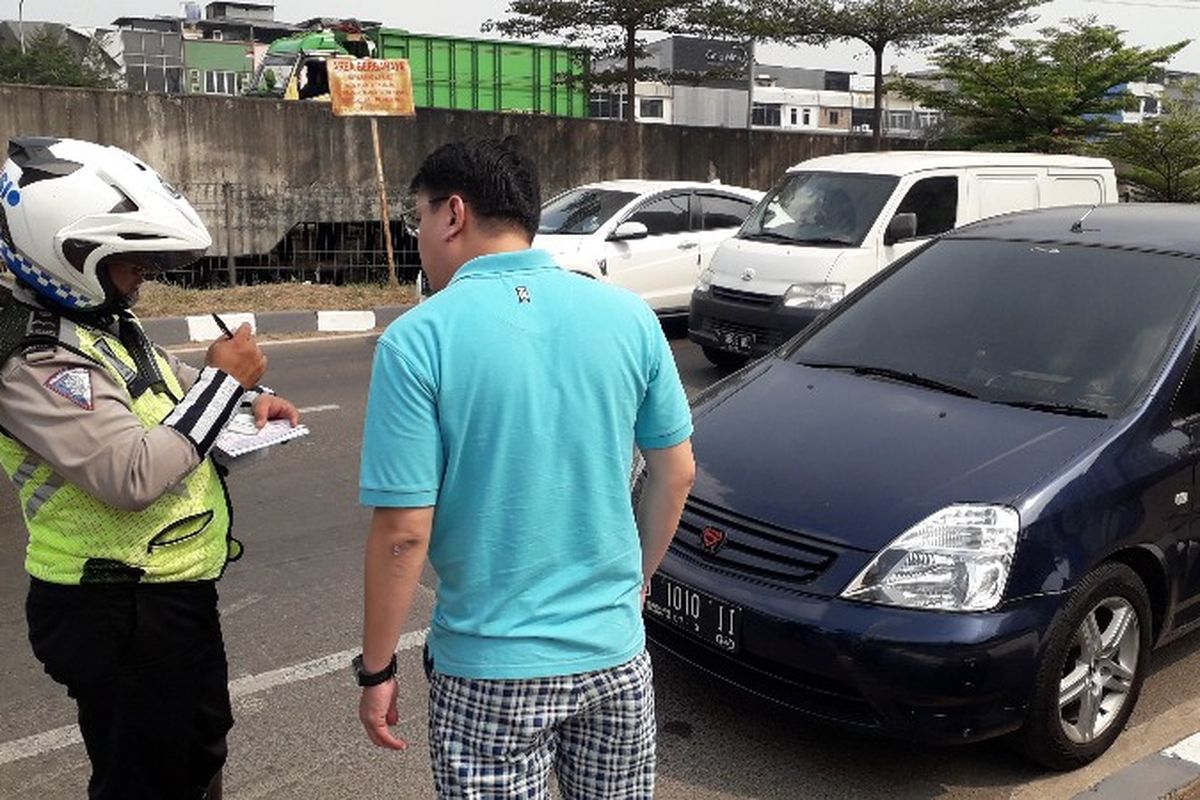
[
  {"x": 771, "y": 267},
  {"x": 858, "y": 460},
  {"x": 562, "y": 245}
]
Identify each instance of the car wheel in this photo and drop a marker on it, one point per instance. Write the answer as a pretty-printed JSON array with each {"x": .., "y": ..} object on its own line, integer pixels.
[
  {"x": 1091, "y": 670},
  {"x": 721, "y": 358}
]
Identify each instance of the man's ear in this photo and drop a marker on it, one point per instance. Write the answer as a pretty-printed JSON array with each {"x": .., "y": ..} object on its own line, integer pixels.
[{"x": 458, "y": 212}]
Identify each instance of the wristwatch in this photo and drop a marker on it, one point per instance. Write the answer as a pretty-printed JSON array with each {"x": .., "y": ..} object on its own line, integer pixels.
[{"x": 373, "y": 678}]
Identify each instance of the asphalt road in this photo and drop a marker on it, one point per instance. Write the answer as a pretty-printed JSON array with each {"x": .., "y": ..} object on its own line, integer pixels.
[{"x": 291, "y": 611}]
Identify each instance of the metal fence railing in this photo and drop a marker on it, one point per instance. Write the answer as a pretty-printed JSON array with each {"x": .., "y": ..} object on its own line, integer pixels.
[{"x": 324, "y": 234}]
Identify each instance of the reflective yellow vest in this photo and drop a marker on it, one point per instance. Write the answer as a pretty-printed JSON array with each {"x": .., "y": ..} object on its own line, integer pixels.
[{"x": 75, "y": 538}]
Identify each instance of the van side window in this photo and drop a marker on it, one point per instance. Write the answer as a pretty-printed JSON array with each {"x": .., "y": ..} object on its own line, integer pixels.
[
  {"x": 935, "y": 202},
  {"x": 1187, "y": 399},
  {"x": 664, "y": 215}
]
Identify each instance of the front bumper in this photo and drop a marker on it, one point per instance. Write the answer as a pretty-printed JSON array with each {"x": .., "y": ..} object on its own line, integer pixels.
[
  {"x": 720, "y": 315},
  {"x": 929, "y": 676}
]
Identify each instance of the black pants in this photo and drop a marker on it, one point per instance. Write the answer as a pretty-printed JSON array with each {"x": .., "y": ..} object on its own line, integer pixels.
[{"x": 146, "y": 666}]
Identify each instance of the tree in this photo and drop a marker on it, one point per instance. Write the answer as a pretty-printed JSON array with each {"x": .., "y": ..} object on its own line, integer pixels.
[
  {"x": 608, "y": 28},
  {"x": 878, "y": 24},
  {"x": 1050, "y": 94},
  {"x": 1161, "y": 156},
  {"x": 49, "y": 60}
]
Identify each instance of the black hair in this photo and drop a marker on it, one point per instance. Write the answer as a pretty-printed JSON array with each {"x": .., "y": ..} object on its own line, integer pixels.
[{"x": 492, "y": 175}]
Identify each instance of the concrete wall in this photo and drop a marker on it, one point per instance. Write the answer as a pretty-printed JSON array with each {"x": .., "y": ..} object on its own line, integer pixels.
[{"x": 299, "y": 150}]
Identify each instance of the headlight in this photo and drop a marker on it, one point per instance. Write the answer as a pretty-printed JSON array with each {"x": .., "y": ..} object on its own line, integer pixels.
[
  {"x": 955, "y": 560},
  {"x": 814, "y": 295},
  {"x": 704, "y": 282}
]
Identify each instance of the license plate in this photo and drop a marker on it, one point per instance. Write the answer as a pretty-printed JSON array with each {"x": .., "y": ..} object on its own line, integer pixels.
[
  {"x": 737, "y": 342},
  {"x": 708, "y": 619}
]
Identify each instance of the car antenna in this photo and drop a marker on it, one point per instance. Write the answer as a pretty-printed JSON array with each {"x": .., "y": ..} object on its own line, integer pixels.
[{"x": 1077, "y": 227}]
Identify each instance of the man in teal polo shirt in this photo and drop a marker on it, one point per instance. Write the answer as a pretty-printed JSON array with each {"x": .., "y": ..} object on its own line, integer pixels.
[{"x": 500, "y": 427}]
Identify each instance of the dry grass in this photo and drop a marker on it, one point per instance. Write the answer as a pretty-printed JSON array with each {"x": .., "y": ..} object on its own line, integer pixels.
[{"x": 162, "y": 300}]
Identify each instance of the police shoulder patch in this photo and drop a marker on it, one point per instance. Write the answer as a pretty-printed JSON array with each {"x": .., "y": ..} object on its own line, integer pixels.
[{"x": 75, "y": 384}]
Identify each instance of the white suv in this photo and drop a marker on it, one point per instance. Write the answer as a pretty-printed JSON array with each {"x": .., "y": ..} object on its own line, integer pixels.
[{"x": 652, "y": 237}]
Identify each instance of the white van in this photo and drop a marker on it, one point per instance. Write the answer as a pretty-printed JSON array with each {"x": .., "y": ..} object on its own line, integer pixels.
[{"x": 834, "y": 221}]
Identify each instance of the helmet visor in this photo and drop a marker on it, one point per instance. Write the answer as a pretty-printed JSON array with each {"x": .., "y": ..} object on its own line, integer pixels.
[{"x": 152, "y": 261}]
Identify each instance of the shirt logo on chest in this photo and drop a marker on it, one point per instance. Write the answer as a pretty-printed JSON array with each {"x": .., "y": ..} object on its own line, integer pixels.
[
  {"x": 523, "y": 295},
  {"x": 74, "y": 384}
]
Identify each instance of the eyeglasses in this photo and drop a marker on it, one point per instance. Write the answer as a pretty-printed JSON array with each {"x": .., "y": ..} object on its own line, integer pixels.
[{"x": 412, "y": 220}]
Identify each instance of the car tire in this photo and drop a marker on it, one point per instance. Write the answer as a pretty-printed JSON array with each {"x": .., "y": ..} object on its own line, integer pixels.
[
  {"x": 1107, "y": 680},
  {"x": 720, "y": 358}
]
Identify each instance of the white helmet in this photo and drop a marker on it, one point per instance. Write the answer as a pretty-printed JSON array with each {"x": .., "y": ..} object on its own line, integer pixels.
[{"x": 66, "y": 206}]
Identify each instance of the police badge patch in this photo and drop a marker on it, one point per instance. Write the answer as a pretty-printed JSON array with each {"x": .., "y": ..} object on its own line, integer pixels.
[{"x": 73, "y": 384}]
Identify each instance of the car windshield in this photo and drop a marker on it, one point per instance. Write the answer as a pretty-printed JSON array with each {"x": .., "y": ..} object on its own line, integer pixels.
[
  {"x": 582, "y": 211},
  {"x": 1072, "y": 330},
  {"x": 834, "y": 209}
]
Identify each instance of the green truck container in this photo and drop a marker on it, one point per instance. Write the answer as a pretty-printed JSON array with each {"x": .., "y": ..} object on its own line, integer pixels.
[
  {"x": 447, "y": 72},
  {"x": 483, "y": 75}
]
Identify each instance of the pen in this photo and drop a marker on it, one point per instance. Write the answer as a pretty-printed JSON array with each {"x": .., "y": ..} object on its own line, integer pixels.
[{"x": 221, "y": 324}]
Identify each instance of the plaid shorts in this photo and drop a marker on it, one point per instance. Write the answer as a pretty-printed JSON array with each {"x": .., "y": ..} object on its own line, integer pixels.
[{"x": 501, "y": 738}]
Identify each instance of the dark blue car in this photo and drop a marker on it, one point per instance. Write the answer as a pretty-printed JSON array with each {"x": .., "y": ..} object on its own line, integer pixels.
[{"x": 964, "y": 503}]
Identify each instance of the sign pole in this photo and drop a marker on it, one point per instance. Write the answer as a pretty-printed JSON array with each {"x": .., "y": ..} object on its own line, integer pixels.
[{"x": 393, "y": 280}]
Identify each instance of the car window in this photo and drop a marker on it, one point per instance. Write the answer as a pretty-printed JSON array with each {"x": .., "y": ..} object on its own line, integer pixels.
[
  {"x": 664, "y": 215},
  {"x": 1187, "y": 399},
  {"x": 720, "y": 211},
  {"x": 1007, "y": 321},
  {"x": 935, "y": 202},
  {"x": 582, "y": 211},
  {"x": 821, "y": 208}
]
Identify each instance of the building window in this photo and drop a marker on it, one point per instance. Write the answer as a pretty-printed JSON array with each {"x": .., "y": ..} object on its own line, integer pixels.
[
  {"x": 216, "y": 35},
  {"x": 808, "y": 117},
  {"x": 220, "y": 82},
  {"x": 768, "y": 115},
  {"x": 607, "y": 105},
  {"x": 899, "y": 120},
  {"x": 835, "y": 117},
  {"x": 650, "y": 109},
  {"x": 194, "y": 81},
  {"x": 1150, "y": 105},
  {"x": 795, "y": 116}
]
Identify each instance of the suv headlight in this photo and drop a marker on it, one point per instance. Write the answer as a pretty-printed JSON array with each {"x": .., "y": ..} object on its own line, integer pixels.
[
  {"x": 955, "y": 560},
  {"x": 704, "y": 282},
  {"x": 814, "y": 295}
]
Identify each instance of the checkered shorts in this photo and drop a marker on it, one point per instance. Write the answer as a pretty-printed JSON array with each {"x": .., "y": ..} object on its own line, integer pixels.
[{"x": 501, "y": 738}]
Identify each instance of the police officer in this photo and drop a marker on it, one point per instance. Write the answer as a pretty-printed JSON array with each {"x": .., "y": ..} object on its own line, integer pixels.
[{"x": 107, "y": 440}]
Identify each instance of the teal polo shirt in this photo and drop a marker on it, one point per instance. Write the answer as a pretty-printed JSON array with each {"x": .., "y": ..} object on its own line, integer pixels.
[{"x": 511, "y": 400}]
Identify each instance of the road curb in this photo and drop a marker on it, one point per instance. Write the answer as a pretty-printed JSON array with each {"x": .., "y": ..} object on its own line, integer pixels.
[
  {"x": 1173, "y": 772},
  {"x": 168, "y": 331}
]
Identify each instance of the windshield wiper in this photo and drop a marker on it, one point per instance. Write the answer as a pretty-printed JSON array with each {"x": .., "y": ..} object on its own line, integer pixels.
[
  {"x": 899, "y": 375},
  {"x": 769, "y": 236},
  {"x": 824, "y": 240},
  {"x": 1054, "y": 408}
]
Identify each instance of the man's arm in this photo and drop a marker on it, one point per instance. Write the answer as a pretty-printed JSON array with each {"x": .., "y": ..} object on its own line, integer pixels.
[
  {"x": 669, "y": 475},
  {"x": 395, "y": 554}
]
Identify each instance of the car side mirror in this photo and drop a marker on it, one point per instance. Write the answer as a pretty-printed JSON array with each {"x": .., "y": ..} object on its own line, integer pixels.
[
  {"x": 629, "y": 230},
  {"x": 903, "y": 226}
]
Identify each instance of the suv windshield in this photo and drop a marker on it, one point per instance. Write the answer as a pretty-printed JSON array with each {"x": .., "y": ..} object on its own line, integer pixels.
[
  {"x": 582, "y": 211},
  {"x": 820, "y": 208},
  {"x": 1073, "y": 330}
]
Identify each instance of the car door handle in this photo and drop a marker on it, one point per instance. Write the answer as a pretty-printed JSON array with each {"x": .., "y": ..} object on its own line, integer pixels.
[{"x": 689, "y": 245}]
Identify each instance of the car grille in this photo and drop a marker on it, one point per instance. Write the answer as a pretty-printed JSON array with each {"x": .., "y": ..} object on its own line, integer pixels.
[
  {"x": 745, "y": 298},
  {"x": 752, "y": 550}
]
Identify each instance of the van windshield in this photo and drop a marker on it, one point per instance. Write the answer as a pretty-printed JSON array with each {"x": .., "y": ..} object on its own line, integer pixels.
[
  {"x": 829, "y": 209},
  {"x": 582, "y": 211}
]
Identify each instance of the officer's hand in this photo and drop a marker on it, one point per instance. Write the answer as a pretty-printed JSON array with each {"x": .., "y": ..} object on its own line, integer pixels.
[{"x": 239, "y": 357}]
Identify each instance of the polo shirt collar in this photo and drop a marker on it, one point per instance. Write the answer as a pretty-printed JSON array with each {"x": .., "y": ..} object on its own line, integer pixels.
[{"x": 497, "y": 263}]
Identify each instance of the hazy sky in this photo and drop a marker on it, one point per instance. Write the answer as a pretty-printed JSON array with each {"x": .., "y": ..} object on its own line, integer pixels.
[{"x": 1147, "y": 23}]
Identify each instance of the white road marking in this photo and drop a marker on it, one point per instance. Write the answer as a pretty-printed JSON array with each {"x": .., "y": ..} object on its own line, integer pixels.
[
  {"x": 42, "y": 743},
  {"x": 314, "y": 339},
  {"x": 1188, "y": 749},
  {"x": 315, "y": 409}
]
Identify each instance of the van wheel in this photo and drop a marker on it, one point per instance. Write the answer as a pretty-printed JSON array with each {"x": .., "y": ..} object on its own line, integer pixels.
[
  {"x": 721, "y": 358},
  {"x": 1091, "y": 670}
]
